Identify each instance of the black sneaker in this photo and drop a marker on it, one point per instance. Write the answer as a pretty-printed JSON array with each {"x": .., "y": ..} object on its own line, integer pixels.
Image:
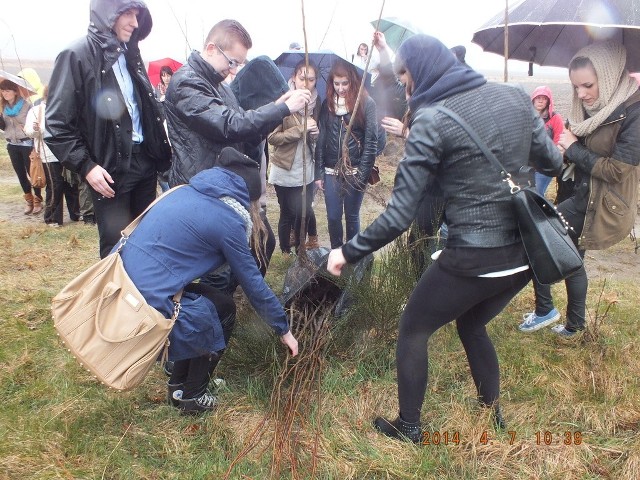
[
  {"x": 167, "y": 368},
  {"x": 399, "y": 429},
  {"x": 174, "y": 393},
  {"x": 89, "y": 219},
  {"x": 195, "y": 406}
]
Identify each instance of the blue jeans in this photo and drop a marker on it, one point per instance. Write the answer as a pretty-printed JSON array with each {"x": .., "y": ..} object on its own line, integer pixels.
[
  {"x": 342, "y": 197},
  {"x": 542, "y": 183}
]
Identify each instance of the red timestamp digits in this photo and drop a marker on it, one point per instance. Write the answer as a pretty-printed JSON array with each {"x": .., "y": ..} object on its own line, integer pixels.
[
  {"x": 440, "y": 438},
  {"x": 566, "y": 438}
]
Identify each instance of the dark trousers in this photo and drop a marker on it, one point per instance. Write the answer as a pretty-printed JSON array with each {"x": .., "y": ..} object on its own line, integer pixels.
[
  {"x": 195, "y": 373},
  {"x": 342, "y": 198},
  {"x": 290, "y": 201},
  {"x": 135, "y": 190},
  {"x": 57, "y": 191},
  {"x": 439, "y": 298},
  {"x": 19, "y": 155},
  {"x": 577, "y": 284}
]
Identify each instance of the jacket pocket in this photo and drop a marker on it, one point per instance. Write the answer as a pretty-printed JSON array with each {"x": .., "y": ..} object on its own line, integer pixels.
[{"x": 615, "y": 204}]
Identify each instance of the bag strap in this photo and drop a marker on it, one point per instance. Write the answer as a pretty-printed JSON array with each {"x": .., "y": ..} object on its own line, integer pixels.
[{"x": 132, "y": 226}]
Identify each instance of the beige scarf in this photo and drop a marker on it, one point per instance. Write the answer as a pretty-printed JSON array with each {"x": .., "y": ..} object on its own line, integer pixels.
[{"x": 614, "y": 85}]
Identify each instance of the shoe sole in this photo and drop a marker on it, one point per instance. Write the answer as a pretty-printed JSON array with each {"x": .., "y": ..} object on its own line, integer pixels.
[{"x": 540, "y": 325}]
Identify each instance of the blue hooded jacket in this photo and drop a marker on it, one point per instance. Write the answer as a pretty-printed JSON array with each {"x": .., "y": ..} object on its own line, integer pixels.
[{"x": 186, "y": 235}]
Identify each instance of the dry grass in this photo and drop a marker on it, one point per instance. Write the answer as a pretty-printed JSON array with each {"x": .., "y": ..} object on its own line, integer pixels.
[{"x": 57, "y": 423}]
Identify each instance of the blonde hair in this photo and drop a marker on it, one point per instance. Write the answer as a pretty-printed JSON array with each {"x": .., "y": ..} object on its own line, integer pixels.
[{"x": 259, "y": 234}]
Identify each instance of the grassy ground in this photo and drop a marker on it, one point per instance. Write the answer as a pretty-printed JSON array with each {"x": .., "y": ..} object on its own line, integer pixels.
[{"x": 572, "y": 407}]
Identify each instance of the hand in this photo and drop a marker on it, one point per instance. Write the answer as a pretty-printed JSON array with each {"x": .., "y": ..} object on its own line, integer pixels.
[
  {"x": 335, "y": 262},
  {"x": 290, "y": 341},
  {"x": 567, "y": 138},
  {"x": 295, "y": 99},
  {"x": 99, "y": 179},
  {"x": 379, "y": 40},
  {"x": 320, "y": 184},
  {"x": 36, "y": 127},
  {"x": 394, "y": 126},
  {"x": 312, "y": 127}
]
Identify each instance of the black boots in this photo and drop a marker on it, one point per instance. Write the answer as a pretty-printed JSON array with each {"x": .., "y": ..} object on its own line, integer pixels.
[{"x": 398, "y": 428}]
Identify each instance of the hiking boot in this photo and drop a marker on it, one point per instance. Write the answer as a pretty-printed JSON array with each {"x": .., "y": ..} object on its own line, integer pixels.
[
  {"x": 28, "y": 197},
  {"x": 174, "y": 393},
  {"x": 533, "y": 322},
  {"x": 195, "y": 406},
  {"x": 399, "y": 429},
  {"x": 312, "y": 242},
  {"x": 37, "y": 205}
]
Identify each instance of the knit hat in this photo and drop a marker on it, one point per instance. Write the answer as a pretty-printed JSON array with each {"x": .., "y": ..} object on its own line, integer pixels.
[{"x": 234, "y": 161}]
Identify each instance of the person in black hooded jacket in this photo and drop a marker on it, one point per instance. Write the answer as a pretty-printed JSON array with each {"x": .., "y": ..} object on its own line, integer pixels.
[
  {"x": 103, "y": 120},
  {"x": 483, "y": 265}
]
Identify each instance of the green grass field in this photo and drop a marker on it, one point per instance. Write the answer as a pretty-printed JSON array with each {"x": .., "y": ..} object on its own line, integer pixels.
[{"x": 572, "y": 407}]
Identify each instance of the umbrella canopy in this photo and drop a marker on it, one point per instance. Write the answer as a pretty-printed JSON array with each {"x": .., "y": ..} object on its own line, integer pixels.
[
  {"x": 324, "y": 59},
  {"x": 396, "y": 30},
  {"x": 550, "y": 32},
  {"x": 154, "y": 68},
  {"x": 26, "y": 90}
]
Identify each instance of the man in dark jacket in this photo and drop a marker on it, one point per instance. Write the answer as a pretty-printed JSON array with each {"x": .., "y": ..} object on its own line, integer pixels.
[
  {"x": 103, "y": 121},
  {"x": 203, "y": 115}
]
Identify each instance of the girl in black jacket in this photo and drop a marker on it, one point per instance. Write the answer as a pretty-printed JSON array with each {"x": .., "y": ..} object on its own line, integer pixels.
[
  {"x": 483, "y": 265},
  {"x": 345, "y": 179}
]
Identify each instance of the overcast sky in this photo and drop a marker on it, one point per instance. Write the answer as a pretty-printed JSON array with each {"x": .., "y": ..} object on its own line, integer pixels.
[{"x": 180, "y": 26}]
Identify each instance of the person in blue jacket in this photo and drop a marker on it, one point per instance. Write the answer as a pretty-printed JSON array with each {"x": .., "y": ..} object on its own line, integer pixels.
[{"x": 194, "y": 230}]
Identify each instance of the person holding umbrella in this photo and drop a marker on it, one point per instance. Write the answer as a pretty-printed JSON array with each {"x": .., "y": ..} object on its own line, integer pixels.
[
  {"x": 13, "y": 115},
  {"x": 483, "y": 265},
  {"x": 602, "y": 146},
  {"x": 287, "y": 164}
]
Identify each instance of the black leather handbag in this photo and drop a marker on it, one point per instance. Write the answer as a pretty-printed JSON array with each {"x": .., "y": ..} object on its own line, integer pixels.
[{"x": 545, "y": 233}]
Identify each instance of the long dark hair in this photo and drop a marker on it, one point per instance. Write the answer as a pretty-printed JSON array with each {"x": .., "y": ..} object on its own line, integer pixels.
[{"x": 345, "y": 69}]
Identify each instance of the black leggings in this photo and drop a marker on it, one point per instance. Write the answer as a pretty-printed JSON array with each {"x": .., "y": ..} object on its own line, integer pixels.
[
  {"x": 194, "y": 373},
  {"x": 290, "y": 201},
  {"x": 439, "y": 298}
]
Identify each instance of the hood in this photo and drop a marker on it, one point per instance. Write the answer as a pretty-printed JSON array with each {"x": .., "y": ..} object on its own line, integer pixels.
[
  {"x": 104, "y": 13},
  {"x": 544, "y": 91},
  {"x": 258, "y": 83},
  {"x": 31, "y": 76},
  {"x": 217, "y": 182},
  {"x": 436, "y": 72}
]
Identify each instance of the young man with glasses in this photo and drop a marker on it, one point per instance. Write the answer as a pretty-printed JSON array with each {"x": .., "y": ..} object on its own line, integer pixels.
[{"x": 203, "y": 115}]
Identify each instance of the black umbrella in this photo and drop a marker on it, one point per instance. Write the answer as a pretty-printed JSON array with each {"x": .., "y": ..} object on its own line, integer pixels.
[
  {"x": 324, "y": 59},
  {"x": 550, "y": 32}
]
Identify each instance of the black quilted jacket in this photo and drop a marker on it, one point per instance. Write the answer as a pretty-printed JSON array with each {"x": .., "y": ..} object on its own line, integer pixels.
[{"x": 478, "y": 205}]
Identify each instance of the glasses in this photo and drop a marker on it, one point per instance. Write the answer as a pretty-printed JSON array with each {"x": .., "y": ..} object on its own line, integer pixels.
[{"x": 232, "y": 63}]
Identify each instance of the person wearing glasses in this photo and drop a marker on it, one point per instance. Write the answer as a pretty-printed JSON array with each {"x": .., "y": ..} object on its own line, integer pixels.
[
  {"x": 203, "y": 114},
  {"x": 103, "y": 120}
]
